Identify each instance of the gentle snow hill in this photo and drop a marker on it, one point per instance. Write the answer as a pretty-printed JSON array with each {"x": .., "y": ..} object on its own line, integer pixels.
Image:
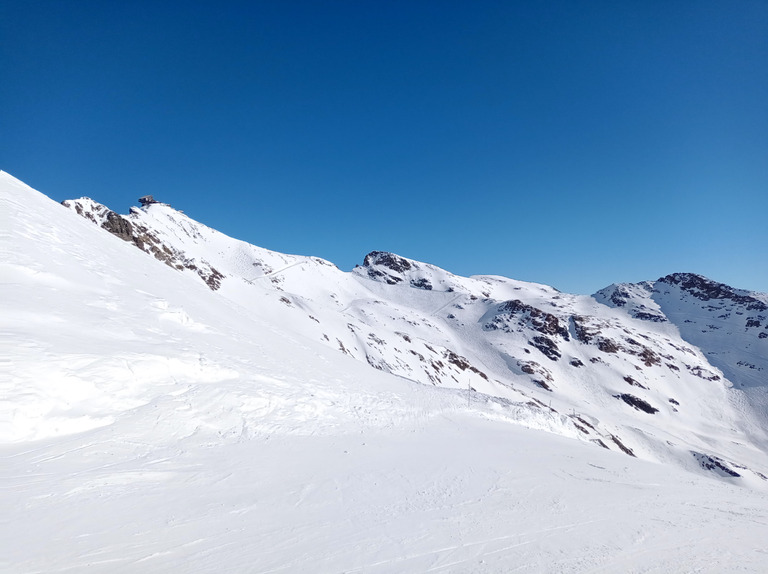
[{"x": 217, "y": 406}]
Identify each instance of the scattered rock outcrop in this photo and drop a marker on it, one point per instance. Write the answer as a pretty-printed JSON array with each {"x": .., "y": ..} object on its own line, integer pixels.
[
  {"x": 706, "y": 290},
  {"x": 637, "y": 403},
  {"x": 143, "y": 237}
]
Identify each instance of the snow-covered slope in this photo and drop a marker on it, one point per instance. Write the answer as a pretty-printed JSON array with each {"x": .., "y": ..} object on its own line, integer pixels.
[
  {"x": 729, "y": 325},
  {"x": 628, "y": 377},
  {"x": 218, "y": 405}
]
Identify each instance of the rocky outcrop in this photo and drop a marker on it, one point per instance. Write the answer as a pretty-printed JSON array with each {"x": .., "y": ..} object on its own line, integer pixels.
[
  {"x": 637, "y": 403},
  {"x": 143, "y": 238},
  {"x": 386, "y": 266},
  {"x": 706, "y": 290},
  {"x": 511, "y": 314}
]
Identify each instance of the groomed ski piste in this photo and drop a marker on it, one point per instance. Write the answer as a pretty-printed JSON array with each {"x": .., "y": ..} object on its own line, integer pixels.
[{"x": 151, "y": 423}]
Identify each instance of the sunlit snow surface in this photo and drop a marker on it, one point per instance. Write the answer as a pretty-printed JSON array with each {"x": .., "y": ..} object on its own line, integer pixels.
[{"x": 150, "y": 425}]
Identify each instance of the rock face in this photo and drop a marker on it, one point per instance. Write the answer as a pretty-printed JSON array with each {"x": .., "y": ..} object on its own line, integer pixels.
[
  {"x": 381, "y": 259},
  {"x": 705, "y": 290},
  {"x": 729, "y": 325},
  {"x": 511, "y": 314},
  {"x": 393, "y": 270},
  {"x": 131, "y": 229}
]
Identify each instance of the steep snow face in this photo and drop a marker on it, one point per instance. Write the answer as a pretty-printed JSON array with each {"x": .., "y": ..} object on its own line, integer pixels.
[
  {"x": 614, "y": 365},
  {"x": 729, "y": 325}
]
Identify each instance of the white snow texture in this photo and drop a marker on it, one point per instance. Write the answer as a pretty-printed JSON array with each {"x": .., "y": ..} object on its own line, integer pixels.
[{"x": 176, "y": 400}]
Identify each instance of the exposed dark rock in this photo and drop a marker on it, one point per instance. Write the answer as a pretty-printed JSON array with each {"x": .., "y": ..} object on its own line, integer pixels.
[
  {"x": 607, "y": 345},
  {"x": 654, "y": 317},
  {"x": 212, "y": 278},
  {"x": 637, "y": 403},
  {"x": 546, "y": 346},
  {"x": 421, "y": 284},
  {"x": 714, "y": 464},
  {"x": 462, "y": 363},
  {"x": 625, "y": 449},
  {"x": 649, "y": 357},
  {"x": 527, "y": 368},
  {"x": 524, "y": 315},
  {"x": 390, "y": 279},
  {"x": 581, "y": 428},
  {"x": 703, "y": 373},
  {"x": 634, "y": 383},
  {"x": 419, "y": 355},
  {"x": 576, "y": 363},
  {"x": 379, "y": 364},
  {"x": 706, "y": 290},
  {"x": 542, "y": 374},
  {"x": 584, "y": 422},
  {"x": 143, "y": 238},
  {"x": 620, "y": 296},
  {"x": 119, "y": 226},
  {"x": 749, "y": 365},
  {"x": 377, "y": 340},
  {"x": 536, "y": 403},
  {"x": 377, "y": 262},
  {"x": 580, "y": 328},
  {"x": 388, "y": 260},
  {"x": 542, "y": 384},
  {"x": 342, "y": 348}
]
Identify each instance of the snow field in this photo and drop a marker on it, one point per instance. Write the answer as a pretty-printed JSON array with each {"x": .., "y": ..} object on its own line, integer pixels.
[{"x": 150, "y": 425}]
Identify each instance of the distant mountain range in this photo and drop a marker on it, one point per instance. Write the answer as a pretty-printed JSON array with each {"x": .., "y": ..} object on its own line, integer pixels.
[
  {"x": 173, "y": 399},
  {"x": 673, "y": 370}
]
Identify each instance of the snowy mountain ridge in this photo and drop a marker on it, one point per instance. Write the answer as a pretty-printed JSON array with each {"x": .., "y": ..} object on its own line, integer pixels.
[
  {"x": 293, "y": 417},
  {"x": 636, "y": 368}
]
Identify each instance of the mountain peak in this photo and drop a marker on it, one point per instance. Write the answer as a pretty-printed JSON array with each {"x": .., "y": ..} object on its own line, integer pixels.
[
  {"x": 388, "y": 267},
  {"x": 388, "y": 260},
  {"x": 706, "y": 289}
]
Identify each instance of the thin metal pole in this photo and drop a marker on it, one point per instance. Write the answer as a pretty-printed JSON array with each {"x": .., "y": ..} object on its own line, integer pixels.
[{"x": 469, "y": 392}]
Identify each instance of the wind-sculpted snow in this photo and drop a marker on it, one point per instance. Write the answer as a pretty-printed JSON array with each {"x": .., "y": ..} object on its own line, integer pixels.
[{"x": 293, "y": 416}]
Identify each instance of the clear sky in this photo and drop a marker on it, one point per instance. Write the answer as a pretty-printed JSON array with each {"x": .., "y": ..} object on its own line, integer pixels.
[{"x": 572, "y": 143}]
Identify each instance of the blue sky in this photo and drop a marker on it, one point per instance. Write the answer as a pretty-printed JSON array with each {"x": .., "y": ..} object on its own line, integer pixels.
[{"x": 570, "y": 143}]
